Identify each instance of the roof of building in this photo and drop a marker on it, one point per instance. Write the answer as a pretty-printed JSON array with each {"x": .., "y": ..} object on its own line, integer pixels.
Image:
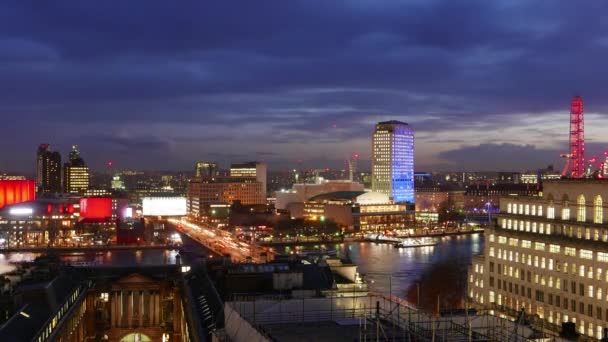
[
  {"x": 338, "y": 195},
  {"x": 392, "y": 122},
  {"x": 32, "y": 316}
]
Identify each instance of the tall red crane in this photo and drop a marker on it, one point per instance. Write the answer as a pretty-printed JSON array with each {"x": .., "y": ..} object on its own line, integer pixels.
[{"x": 575, "y": 160}]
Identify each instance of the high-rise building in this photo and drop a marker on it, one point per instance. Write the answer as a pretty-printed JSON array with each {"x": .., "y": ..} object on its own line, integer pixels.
[
  {"x": 548, "y": 255},
  {"x": 257, "y": 170},
  {"x": 76, "y": 174},
  {"x": 393, "y": 160},
  {"x": 206, "y": 169},
  {"x": 48, "y": 170}
]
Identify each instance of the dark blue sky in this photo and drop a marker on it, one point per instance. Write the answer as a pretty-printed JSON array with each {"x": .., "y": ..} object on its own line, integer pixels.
[{"x": 161, "y": 84}]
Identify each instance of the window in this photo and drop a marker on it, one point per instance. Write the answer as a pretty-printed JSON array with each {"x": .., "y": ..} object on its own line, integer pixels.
[
  {"x": 554, "y": 248},
  {"x": 509, "y": 208},
  {"x": 521, "y": 209},
  {"x": 565, "y": 213},
  {"x": 533, "y": 212},
  {"x": 581, "y": 213},
  {"x": 526, "y": 244},
  {"x": 598, "y": 211},
  {"x": 539, "y": 211},
  {"x": 571, "y": 251},
  {"x": 603, "y": 257},
  {"x": 502, "y": 239},
  {"x": 586, "y": 254},
  {"x": 539, "y": 246},
  {"x": 527, "y": 209},
  {"x": 550, "y": 212},
  {"x": 513, "y": 242}
]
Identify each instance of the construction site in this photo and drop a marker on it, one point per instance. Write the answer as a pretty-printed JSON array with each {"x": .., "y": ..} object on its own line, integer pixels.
[{"x": 364, "y": 318}]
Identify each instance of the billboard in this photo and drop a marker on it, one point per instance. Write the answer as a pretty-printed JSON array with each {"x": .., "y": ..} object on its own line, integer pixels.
[
  {"x": 95, "y": 207},
  {"x": 164, "y": 206},
  {"x": 16, "y": 191}
]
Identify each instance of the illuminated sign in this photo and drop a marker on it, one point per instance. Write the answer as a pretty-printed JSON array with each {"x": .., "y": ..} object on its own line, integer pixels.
[
  {"x": 95, "y": 207},
  {"x": 21, "y": 211},
  {"x": 164, "y": 206}
]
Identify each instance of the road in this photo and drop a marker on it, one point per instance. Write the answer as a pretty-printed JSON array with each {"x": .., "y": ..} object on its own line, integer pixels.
[{"x": 222, "y": 242}]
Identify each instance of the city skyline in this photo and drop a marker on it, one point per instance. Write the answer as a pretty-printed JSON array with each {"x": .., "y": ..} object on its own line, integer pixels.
[{"x": 300, "y": 82}]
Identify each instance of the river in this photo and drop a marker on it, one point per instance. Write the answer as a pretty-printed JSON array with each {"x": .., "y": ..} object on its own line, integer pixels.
[
  {"x": 435, "y": 271},
  {"x": 438, "y": 273}
]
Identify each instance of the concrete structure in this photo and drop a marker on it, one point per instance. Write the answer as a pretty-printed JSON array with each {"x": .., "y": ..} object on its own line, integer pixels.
[
  {"x": 300, "y": 193},
  {"x": 358, "y": 210},
  {"x": 393, "y": 160},
  {"x": 48, "y": 170},
  {"x": 253, "y": 170},
  {"x": 548, "y": 255}
]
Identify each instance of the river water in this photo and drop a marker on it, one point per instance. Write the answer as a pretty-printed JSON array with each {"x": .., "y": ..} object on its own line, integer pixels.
[{"x": 437, "y": 273}]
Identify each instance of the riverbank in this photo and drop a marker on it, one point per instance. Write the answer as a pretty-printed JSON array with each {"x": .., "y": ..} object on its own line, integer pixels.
[
  {"x": 100, "y": 248},
  {"x": 309, "y": 242}
]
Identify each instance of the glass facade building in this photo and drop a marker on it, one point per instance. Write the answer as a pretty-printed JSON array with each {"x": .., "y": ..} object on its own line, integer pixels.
[{"x": 393, "y": 160}]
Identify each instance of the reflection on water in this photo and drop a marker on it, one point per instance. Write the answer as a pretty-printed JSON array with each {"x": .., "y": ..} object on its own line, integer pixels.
[
  {"x": 439, "y": 269},
  {"x": 115, "y": 257}
]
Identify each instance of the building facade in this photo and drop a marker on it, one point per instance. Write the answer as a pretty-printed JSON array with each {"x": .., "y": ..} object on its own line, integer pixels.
[
  {"x": 548, "y": 255},
  {"x": 393, "y": 160},
  {"x": 48, "y": 170},
  {"x": 225, "y": 190},
  {"x": 76, "y": 176},
  {"x": 358, "y": 211},
  {"x": 254, "y": 170},
  {"x": 206, "y": 169}
]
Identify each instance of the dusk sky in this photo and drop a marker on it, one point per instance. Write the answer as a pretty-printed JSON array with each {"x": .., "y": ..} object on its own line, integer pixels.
[{"x": 486, "y": 85}]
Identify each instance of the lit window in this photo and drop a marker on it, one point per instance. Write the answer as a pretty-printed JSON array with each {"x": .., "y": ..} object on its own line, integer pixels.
[
  {"x": 565, "y": 213},
  {"x": 598, "y": 210},
  {"x": 550, "y": 213},
  {"x": 571, "y": 251},
  {"x": 581, "y": 214},
  {"x": 586, "y": 254},
  {"x": 554, "y": 248}
]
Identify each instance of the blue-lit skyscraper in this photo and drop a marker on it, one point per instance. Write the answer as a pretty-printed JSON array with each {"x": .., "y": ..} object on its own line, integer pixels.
[{"x": 393, "y": 160}]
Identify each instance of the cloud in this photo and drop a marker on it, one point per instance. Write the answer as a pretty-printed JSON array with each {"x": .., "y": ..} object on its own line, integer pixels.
[{"x": 284, "y": 74}]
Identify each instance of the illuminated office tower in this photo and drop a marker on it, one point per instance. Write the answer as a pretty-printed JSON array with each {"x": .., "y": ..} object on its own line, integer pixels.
[
  {"x": 75, "y": 174},
  {"x": 257, "y": 170},
  {"x": 206, "y": 169},
  {"x": 393, "y": 160},
  {"x": 48, "y": 170}
]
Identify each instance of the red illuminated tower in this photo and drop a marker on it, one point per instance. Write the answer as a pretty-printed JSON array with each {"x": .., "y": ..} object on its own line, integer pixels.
[{"x": 576, "y": 158}]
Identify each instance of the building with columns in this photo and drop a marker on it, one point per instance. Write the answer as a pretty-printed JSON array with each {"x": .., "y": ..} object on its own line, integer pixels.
[{"x": 107, "y": 303}]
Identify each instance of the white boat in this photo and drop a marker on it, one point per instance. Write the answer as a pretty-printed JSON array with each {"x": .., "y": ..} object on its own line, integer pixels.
[
  {"x": 381, "y": 238},
  {"x": 416, "y": 242}
]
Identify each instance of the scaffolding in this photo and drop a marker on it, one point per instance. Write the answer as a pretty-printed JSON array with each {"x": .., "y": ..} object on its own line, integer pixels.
[{"x": 367, "y": 318}]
